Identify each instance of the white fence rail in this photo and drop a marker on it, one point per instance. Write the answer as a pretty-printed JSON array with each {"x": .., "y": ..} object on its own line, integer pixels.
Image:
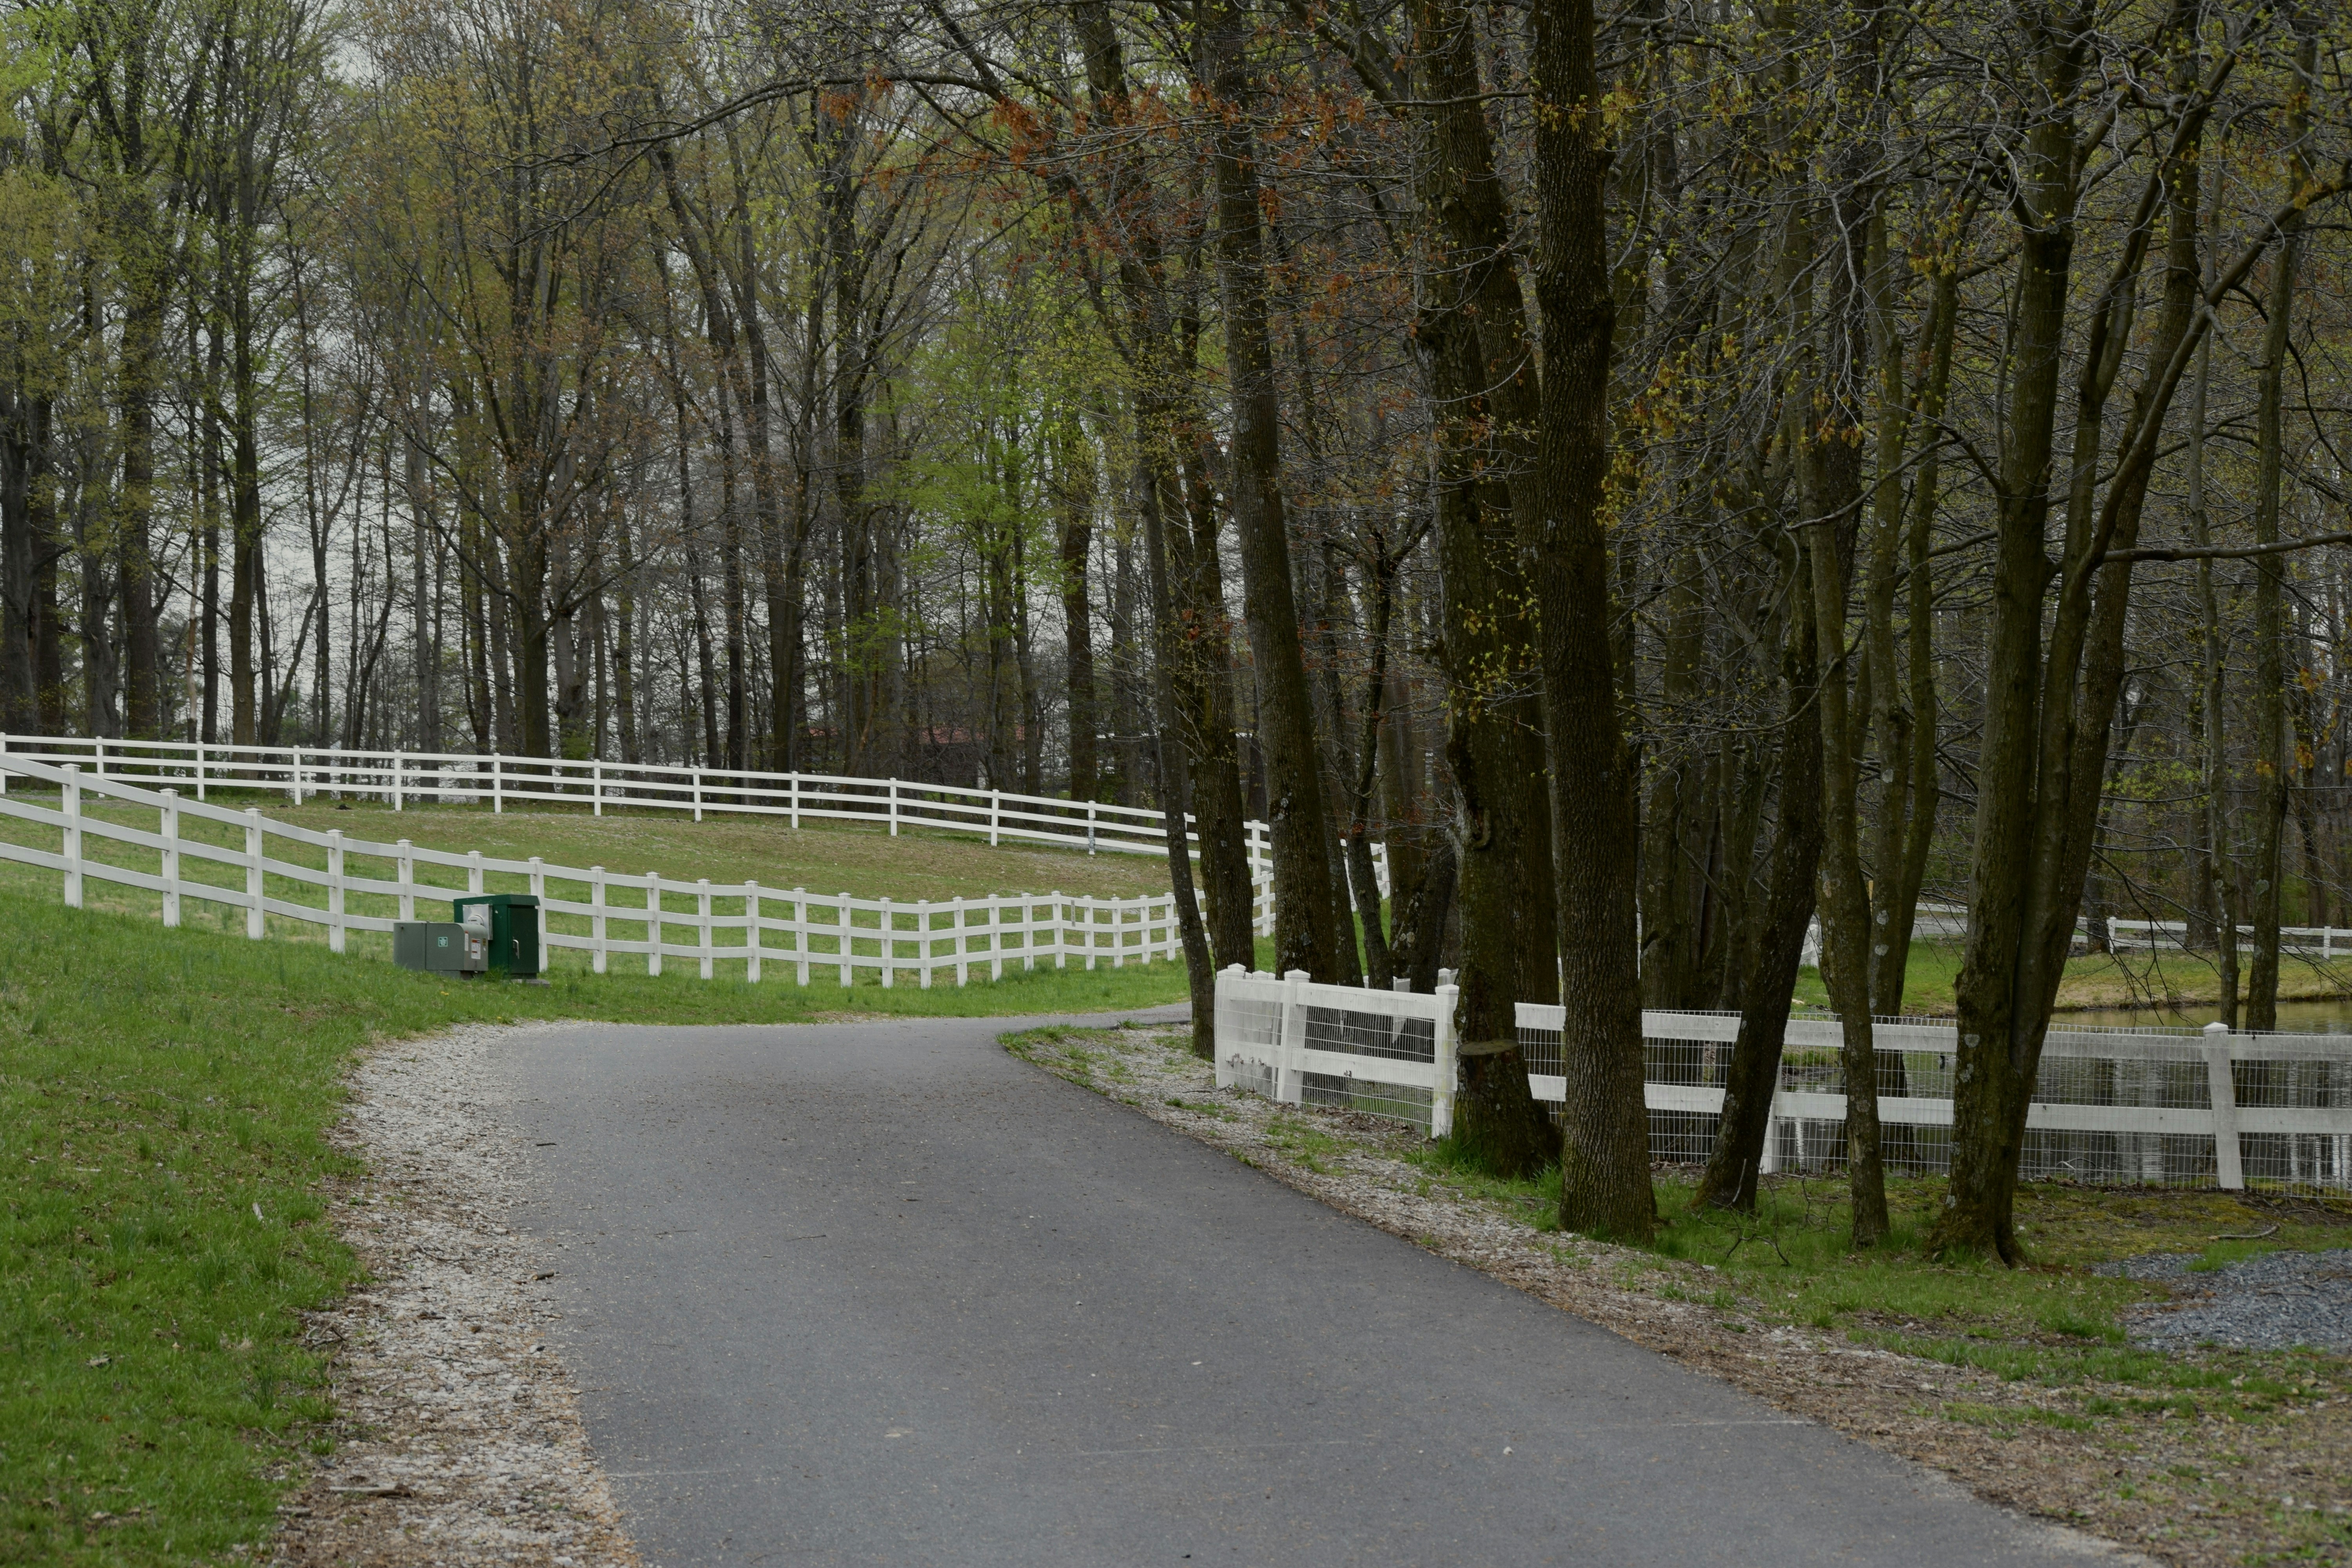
[
  {"x": 402, "y": 778},
  {"x": 2322, "y": 943},
  {"x": 805, "y": 933},
  {"x": 1390, "y": 1053},
  {"x": 2176, "y": 1107}
]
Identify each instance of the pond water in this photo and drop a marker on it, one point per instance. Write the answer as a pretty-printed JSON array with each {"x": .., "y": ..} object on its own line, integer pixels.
[{"x": 2329, "y": 1017}]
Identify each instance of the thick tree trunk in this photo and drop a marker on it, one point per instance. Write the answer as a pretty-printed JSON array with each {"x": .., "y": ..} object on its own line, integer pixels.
[
  {"x": 1605, "y": 1160},
  {"x": 1308, "y": 929},
  {"x": 1483, "y": 382}
]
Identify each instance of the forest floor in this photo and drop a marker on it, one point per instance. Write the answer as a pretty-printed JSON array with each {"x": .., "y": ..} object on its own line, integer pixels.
[{"x": 2027, "y": 1385}]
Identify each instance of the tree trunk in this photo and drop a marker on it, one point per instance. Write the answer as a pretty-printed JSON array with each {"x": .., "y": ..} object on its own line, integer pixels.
[
  {"x": 2270, "y": 769},
  {"x": 2048, "y": 714},
  {"x": 1199, "y": 967},
  {"x": 1768, "y": 970},
  {"x": 1487, "y": 400},
  {"x": 1306, "y": 925},
  {"x": 1605, "y": 1160}
]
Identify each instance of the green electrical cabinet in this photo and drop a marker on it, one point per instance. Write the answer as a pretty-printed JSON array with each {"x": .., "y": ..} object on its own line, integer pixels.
[
  {"x": 438, "y": 947},
  {"x": 511, "y": 921}
]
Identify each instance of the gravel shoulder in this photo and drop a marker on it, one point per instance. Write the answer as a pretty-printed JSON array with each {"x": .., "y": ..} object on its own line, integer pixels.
[
  {"x": 2274, "y": 1302},
  {"x": 458, "y": 1436},
  {"x": 2205, "y": 1490}
]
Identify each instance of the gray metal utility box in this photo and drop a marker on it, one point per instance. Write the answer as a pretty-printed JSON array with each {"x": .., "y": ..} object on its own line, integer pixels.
[{"x": 439, "y": 947}]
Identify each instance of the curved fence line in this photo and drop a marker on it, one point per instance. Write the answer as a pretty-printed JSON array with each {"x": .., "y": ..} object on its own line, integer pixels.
[
  {"x": 401, "y": 778},
  {"x": 729, "y": 923}
]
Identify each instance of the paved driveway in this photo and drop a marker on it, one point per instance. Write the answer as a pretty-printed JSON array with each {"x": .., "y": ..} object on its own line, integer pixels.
[{"x": 882, "y": 1294}]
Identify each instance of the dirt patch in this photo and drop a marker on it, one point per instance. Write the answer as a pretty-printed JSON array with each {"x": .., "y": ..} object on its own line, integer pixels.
[
  {"x": 457, "y": 1434},
  {"x": 2176, "y": 1480}
]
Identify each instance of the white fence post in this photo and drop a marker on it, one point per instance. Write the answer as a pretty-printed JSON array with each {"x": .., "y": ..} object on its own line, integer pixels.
[
  {"x": 395, "y": 781},
  {"x": 995, "y": 814},
  {"x": 963, "y": 944},
  {"x": 539, "y": 884},
  {"x": 474, "y": 873},
  {"x": 200, "y": 772},
  {"x": 751, "y": 931},
  {"x": 702, "y": 918},
  {"x": 800, "y": 934},
  {"x": 1447, "y": 1059},
  {"x": 698, "y": 794},
  {"x": 253, "y": 872},
  {"x": 893, "y": 808},
  {"x": 335, "y": 889},
  {"x": 2229, "y": 1166},
  {"x": 1289, "y": 1082},
  {"x": 407, "y": 880},
  {"x": 923, "y": 947},
  {"x": 847, "y": 977},
  {"x": 169, "y": 831},
  {"x": 653, "y": 922},
  {"x": 792, "y": 783},
  {"x": 596, "y": 788},
  {"x": 498, "y": 784},
  {"x": 1090, "y": 827},
  {"x": 889, "y": 946},
  {"x": 599, "y": 955},
  {"x": 69, "y": 797}
]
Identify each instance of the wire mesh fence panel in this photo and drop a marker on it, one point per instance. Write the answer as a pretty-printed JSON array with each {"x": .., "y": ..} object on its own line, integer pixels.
[
  {"x": 1366, "y": 1096},
  {"x": 2157, "y": 1106},
  {"x": 1365, "y": 1034}
]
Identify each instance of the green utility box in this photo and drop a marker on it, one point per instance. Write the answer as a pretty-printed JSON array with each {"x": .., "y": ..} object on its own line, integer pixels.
[
  {"x": 509, "y": 922},
  {"x": 439, "y": 947}
]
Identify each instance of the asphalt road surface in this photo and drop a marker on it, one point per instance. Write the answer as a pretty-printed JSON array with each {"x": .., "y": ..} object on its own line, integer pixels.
[{"x": 882, "y": 1294}]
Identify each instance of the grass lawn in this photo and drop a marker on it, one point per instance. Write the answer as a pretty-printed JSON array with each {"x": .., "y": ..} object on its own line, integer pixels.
[
  {"x": 2136, "y": 980},
  {"x": 164, "y": 1101}
]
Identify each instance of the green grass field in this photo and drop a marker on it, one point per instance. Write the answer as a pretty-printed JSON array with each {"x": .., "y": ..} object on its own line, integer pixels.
[{"x": 163, "y": 1101}]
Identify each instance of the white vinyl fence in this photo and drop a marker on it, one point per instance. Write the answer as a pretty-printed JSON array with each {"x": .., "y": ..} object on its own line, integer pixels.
[
  {"x": 733, "y": 923},
  {"x": 2322, "y": 943},
  {"x": 1390, "y": 1053},
  {"x": 2176, "y": 1107},
  {"x": 402, "y": 778}
]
